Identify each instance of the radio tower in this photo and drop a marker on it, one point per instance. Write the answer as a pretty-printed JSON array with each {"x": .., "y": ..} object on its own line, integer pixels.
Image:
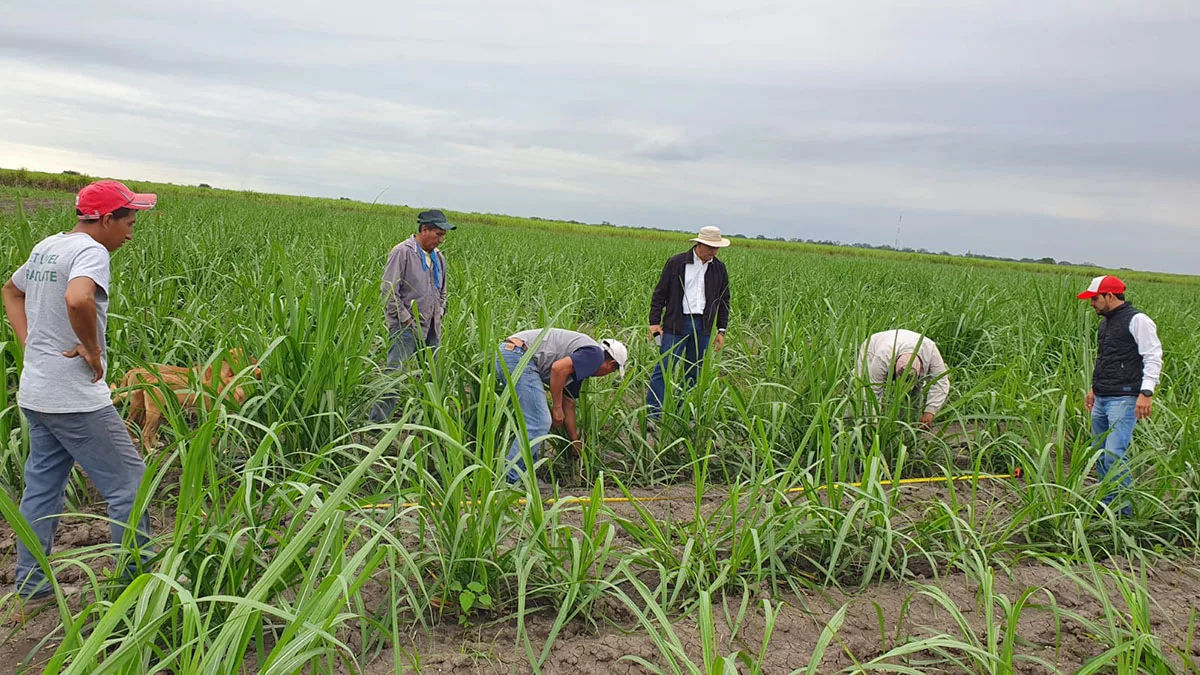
[{"x": 898, "y": 222}]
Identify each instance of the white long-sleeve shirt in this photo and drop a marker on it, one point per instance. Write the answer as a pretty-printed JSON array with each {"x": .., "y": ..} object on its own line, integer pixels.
[
  {"x": 1145, "y": 334},
  {"x": 877, "y": 359},
  {"x": 694, "y": 301}
]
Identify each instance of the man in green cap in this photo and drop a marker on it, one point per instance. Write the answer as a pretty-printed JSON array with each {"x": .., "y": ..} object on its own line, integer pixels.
[{"x": 414, "y": 297}]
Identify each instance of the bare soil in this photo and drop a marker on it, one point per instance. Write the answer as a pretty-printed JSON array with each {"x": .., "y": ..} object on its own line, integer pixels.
[{"x": 877, "y": 619}]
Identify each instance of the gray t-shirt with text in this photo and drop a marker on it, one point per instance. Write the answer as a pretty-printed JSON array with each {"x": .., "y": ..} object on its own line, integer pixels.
[{"x": 50, "y": 382}]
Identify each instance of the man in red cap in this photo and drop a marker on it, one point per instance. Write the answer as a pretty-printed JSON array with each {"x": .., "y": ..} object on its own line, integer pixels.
[
  {"x": 57, "y": 303},
  {"x": 1128, "y": 365}
]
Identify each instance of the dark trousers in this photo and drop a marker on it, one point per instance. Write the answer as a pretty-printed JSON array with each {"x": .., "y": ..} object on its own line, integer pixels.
[
  {"x": 690, "y": 346},
  {"x": 404, "y": 344}
]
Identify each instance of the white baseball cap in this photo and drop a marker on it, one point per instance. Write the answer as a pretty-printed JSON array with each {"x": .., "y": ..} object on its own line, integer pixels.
[{"x": 617, "y": 351}]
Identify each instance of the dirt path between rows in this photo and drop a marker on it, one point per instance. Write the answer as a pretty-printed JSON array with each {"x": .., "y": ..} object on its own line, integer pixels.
[{"x": 876, "y": 620}]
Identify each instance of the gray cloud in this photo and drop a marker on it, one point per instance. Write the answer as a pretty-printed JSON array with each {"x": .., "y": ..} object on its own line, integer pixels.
[{"x": 1004, "y": 128}]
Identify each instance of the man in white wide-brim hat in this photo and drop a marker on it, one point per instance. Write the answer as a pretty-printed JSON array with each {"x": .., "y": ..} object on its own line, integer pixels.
[{"x": 691, "y": 298}]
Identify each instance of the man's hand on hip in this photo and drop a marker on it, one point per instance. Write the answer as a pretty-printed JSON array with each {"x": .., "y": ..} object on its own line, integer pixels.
[{"x": 93, "y": 359}]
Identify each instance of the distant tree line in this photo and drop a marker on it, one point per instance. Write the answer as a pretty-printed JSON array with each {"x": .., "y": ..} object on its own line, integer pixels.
[
  {"x": 75, "y": 180},
  {"x": 924, "y": 251}
]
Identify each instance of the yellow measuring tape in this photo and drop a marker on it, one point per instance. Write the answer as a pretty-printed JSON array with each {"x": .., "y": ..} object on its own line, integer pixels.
[{"x": 626, "y": 500}]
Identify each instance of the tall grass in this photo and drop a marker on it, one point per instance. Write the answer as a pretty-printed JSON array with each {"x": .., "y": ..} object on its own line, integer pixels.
[{"x": 301, "y": 538}]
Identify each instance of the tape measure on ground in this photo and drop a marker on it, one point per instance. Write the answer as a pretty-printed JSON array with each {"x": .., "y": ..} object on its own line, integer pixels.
[{"x": 668, "y": 498}]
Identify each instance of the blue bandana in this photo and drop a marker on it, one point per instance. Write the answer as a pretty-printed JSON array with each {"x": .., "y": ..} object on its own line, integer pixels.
[{"x": 438, "y": 276}]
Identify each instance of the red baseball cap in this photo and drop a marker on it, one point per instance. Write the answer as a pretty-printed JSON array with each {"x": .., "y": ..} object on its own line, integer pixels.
[
  {"x": 1102, "y": 285},
  {"x": 105, "y": 196}
]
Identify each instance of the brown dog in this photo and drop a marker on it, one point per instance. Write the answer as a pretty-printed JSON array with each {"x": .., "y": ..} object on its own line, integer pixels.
[{"x": 143, "y": 389}]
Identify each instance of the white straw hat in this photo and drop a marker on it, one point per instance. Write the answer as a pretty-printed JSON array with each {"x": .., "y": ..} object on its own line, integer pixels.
[{"x": 711, "y": 236}]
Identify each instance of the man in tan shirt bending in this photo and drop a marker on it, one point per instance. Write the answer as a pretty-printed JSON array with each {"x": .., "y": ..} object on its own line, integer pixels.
[{"x": 906, "y": 358}]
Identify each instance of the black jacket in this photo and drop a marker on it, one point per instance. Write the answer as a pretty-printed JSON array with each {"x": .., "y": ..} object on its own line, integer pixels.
[
  {"x": 1118, "y": 362},
  {"x": 666, "y": 303}
]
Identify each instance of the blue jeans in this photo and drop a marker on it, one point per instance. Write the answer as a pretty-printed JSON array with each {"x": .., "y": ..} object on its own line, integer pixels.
[
  {"x": 403, "y": 346},
  {"x": 691, "y": 346},
  {"x": 100, "y": 443},
  {"x": 531, "y": 396},
  {"x": 1114, "y": 416}
]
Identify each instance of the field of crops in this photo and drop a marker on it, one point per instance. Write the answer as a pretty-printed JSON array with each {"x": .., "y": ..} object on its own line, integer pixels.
[{"x": 290, "y": 537}]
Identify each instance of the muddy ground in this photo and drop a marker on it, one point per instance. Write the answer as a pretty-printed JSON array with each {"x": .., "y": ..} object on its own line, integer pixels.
[
  {"x": 877, "y": 619},
  {"x": 905, "y": 614}
]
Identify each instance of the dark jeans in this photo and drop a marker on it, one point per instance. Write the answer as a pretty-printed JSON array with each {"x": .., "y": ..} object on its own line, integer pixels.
[
  {"x": 100, "y": 443},
  {"x": 690, "y": 346},
  {"x": 403, "y": 346}
]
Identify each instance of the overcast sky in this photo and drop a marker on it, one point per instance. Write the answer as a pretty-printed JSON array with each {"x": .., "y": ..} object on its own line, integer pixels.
[{"x": 1039, "y": 128}]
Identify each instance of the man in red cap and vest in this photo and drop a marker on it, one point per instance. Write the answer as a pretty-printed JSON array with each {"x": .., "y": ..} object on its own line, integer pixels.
[
  {"x": 57, "y": 304},
  {"x": 1129, "y": 361}
]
